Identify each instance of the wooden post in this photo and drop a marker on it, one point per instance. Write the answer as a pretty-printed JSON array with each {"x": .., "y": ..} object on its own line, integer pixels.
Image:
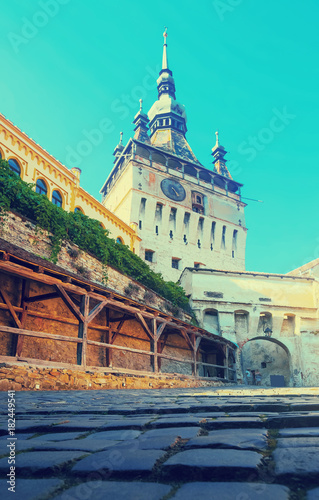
[
  {"x": 154, "y": 343},
  {"x": 24, "y": 314},
  {"x": 227, "y": 355},
  {"x": 83, "y": 328},
  {"x": 108, "y": 351}
]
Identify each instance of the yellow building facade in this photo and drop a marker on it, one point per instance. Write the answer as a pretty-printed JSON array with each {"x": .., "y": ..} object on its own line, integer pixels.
[{"x": 60, "y": 184}]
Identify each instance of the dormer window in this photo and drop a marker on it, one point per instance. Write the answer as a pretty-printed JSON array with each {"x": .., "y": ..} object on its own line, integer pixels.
[{"x": 198, "y": 202}]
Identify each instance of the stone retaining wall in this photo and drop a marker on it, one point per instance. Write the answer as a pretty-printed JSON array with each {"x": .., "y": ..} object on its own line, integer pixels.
[
  {"x": 22, "y": 232},
  {"x": 32, "y": 377}
]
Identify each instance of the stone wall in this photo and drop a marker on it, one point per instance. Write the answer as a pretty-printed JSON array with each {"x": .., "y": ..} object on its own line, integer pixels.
[
  {"x": 24, "y": 377},
  {"x": 23, "y": 233}
]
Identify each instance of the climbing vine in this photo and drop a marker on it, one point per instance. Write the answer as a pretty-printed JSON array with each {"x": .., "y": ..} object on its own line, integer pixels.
[{"x": 86, "y": 233}]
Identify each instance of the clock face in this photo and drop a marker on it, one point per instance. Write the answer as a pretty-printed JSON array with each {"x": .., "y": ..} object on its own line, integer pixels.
[{"x": 173, "y": 189}]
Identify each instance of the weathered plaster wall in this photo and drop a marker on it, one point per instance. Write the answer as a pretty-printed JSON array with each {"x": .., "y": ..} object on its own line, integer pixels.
[{"x": 242, "y": 306}]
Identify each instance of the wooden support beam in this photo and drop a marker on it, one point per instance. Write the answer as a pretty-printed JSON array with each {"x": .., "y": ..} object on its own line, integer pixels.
[
  {"x": 43, "y": 335},
  {"x": 197, "y": 342},
  {"x": 69, "y": 303},
  {"x": 44, "y": 296},
  {"x": 160, "y": 330},
  {"x": 226, "y": 361},
  {"x": 10, "y": 307},
  {"x": 108, "y": 353},
  {"x": 95, "y": 311},
  {"x": 186, "y": 337},
  {"x": 154, "y": 344},
  {"x": 142, "y": 321},
  {"x": 83, "y": 328},
  {"x": 173, "y": 358},
  {"x": 25, "y": 293},
  {"x": 119, "y": 347}
]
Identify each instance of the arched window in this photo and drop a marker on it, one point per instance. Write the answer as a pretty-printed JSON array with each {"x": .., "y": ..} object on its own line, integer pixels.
[
  {"x": 41, "y": 187},
  {"x": 14, "y": 166},
  {"x": 78, "y": 209},
  {"x": 119, "y": 240},
  {"x": 1, "y": 155},
  {"x": 211, "y": 321},
  {"x": 57, "y": 198}
]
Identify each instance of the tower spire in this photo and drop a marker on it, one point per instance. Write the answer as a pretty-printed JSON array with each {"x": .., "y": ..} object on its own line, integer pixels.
[
  {"x": 219, "y": 152},
  {"x": 165, "y": 61}
]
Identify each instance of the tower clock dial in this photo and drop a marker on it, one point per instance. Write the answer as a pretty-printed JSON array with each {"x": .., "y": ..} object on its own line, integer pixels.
[{"x": 173, "y": 189}]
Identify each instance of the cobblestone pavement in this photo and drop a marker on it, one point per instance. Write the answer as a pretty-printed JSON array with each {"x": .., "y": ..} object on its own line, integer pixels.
[{"x": 163, "y": 444}]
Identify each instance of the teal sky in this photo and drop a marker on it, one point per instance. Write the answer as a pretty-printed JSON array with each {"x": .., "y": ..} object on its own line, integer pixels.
[{"x": 249, "y": 69}]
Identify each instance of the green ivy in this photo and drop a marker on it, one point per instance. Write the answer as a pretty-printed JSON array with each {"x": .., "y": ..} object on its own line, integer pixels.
[{"x": 87, "y": 233}]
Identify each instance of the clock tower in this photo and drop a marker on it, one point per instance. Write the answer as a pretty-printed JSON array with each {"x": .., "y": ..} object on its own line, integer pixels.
[{"x": 186, "y": 215}]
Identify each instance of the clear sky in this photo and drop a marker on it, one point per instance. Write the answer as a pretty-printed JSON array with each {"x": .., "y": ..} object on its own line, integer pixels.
[{"x": 249, "y": 69}]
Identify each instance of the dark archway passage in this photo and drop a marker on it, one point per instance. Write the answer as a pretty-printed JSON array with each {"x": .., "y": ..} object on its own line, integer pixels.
[{"x": 267, "y": 355}]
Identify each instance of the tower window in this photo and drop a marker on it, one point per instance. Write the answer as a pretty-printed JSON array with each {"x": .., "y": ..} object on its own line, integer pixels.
[
  {"x": 149, "y": 255},
  {"x": 172, "y": 221},
  {"x": 172, "y": 216},
  {"x": 200, "y": 226},
  {"x": 198, "y": 202},
  {"x": 158, "y": 212},
  {"x": 212, "y": 235},
  {"x": 223, "y": 245},
  {"x": 41, "y": 187},
  {"x": 156, "y": 230},
  {"x": 187, "y": 216},
  {"x": 234, "y": 245},
  {"x": 175, "y": 263},
  {"x": 140, "y": 224},
  {"x": 142, "y": 207}
]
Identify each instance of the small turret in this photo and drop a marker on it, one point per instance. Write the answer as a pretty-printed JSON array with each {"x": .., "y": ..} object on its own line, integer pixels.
[
  {"x": 219, "y": 152},
  {"x": 119, "y": 148},
  {"x": 141, "y": 123}
]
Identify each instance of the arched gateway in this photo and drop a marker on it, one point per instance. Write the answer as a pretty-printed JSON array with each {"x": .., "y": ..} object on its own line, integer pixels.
[{"x": 267, "y": 355}]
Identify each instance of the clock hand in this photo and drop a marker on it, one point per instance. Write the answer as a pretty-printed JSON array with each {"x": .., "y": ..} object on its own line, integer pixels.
[{"x": 173, "y": 189}]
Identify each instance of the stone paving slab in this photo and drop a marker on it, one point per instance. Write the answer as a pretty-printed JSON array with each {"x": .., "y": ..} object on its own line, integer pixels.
[
  {"x": 297, "y": 420},
  {"x": 313, "y": 494},
  {"x": 175, "y": 422},
  {"x": 109, "y": 490},
  {"x": 297, "y": 462},
  {"x": 299, "y": 431},
  {"x": 119, "y": 435},
  {"x": 183, "y": 432},
  {"x": 29, "y": 489},
  {"x": 246, "y": 439},
  {"x": 41, "y": 461},
  {"x": 231, "y": 491},
  {"x": 298, "y": 442},
  {"x": 212, "y": 464},
  {"x": 119, "y": 461},
  {"x": 85, "y": 445},
  {"x": 57, "y": 436},
  {"x": 235, "y": 422}
]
